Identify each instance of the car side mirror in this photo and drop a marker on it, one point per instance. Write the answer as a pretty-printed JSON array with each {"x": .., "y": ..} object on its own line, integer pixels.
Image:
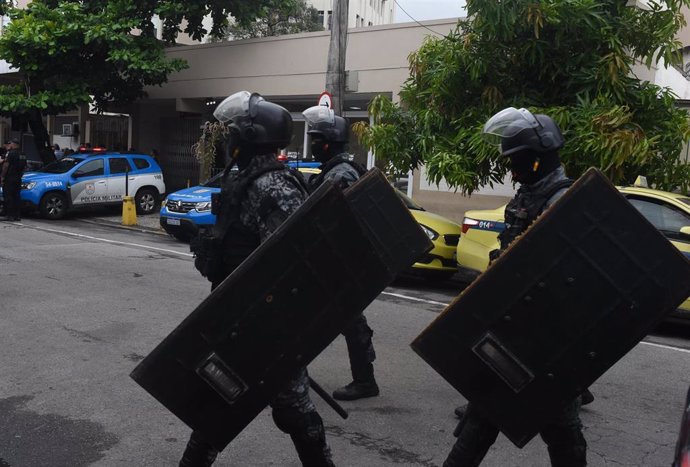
[{"x": 685, "y": 231}]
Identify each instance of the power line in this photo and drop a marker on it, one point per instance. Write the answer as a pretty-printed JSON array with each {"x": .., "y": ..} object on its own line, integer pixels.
[{"x": 410, "y": 16}]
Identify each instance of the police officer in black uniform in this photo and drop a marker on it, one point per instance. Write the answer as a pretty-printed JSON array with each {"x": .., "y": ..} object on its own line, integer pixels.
[
  {"x": 254, "y": 201},
  {"x": 532, "y": 143},
  {"x": 329, "y": 137},
  {"x": 12, "y": 170}
]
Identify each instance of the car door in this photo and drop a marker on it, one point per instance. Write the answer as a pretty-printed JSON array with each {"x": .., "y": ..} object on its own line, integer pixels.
[
  {"x": 88, "y": 183},
  {"x": 119, "y": 170}
]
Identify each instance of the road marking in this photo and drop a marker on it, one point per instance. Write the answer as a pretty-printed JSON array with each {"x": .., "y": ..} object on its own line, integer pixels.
[
  {"x": 414, "y": 299},
  {"x": 669, "y": 347},
  {"x": 105, "y": 240}
]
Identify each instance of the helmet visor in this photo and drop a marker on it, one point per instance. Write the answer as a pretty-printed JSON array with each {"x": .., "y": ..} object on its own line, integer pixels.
[
  {"x": 507, "y": 123},
  {"x": 235, "y": 106},
  {"x": 319, "y": 114}
]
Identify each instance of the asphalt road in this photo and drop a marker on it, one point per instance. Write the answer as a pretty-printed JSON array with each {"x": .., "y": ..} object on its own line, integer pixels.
[{"x": 82, "y": 303}]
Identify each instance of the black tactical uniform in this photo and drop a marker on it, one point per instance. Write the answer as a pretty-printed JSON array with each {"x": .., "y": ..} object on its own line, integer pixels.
[
  {"x": 12, "y": 170},
  {"x": 329, "y": 135},
  {"x": 532, "y": 143},
  {"x": 254, "y": 202}
]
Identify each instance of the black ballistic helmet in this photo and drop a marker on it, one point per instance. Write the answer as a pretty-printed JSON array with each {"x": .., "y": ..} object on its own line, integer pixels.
[
  {"x": 531, "y": 141},
  {"x": 325, "y": 124},
  {"x": 259, "y": 123}
]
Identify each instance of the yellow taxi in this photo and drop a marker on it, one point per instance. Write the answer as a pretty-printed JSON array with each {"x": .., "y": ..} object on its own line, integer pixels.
[
  {"x": 439, "y": 263},
  {"x": 668, "y": 212}
]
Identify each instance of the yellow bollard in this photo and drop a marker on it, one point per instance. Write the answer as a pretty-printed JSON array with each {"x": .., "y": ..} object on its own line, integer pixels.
[{"x": 129, "y": 212}]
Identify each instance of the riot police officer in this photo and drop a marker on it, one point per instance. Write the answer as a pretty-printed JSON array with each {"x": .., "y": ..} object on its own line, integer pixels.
[
  {"x": 532, "y": 143},
  {"x": 329, "y": 137},
  {"x": 254, "y": 201},
  {"x": 11, "y": 177}
]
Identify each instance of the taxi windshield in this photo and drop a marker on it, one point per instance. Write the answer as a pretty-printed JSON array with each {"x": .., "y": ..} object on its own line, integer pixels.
[
  {"x": 61, "y": 166},
  {"x": 408, "y": 201}
]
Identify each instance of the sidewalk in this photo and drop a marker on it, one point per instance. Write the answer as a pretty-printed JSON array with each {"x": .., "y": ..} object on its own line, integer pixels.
[{"x": 148, "y": 223}]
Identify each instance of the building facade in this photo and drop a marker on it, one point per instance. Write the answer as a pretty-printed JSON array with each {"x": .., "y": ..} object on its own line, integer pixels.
[{"x": 361, "y": 13}]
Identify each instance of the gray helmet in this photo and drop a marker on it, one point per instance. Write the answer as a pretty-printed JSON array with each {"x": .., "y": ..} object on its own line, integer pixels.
[
  {"x": 324, "y": 123},
  {"x": 256, "y": 120},
  {"x": 515, "y": 130}
]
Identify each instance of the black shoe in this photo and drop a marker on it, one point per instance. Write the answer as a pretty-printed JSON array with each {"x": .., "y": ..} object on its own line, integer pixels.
[
  {"x": 356, "y": 390},
  {"x": 460, "y": 411},
  {"x": 587, "y": 397}
]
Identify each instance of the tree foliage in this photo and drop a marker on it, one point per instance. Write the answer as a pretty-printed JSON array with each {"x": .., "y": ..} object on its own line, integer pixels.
[
  {"x": 102, "y": 52},
  {"x": 572, "y": 60},
  {"x": 280, "y": 18}
]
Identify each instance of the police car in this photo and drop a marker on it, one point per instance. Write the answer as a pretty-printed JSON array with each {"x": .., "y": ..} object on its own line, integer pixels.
[
  {"x": 186, "y": 211},
  {"x": 93, "y": 179}
]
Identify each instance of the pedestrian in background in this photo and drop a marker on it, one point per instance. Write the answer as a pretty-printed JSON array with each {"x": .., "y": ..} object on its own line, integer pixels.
[{"x": 12, "y": 170}]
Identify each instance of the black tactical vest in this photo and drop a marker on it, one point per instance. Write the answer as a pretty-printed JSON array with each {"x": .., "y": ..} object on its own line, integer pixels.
[
  {"x": 316, "y": 182},
  {"x": 238, "y": 241},
  {"x": 525, "y": 207}
]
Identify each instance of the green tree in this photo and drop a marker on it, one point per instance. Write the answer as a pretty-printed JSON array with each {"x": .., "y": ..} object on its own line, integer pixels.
[
  {"x": 102, "y": 52},
  {"x": 569, "y": 59},
  {"x": 284, "y": 17}
]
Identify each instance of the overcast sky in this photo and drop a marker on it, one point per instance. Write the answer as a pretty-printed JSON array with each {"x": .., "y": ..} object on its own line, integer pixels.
[{"x": 428, "y": 9}]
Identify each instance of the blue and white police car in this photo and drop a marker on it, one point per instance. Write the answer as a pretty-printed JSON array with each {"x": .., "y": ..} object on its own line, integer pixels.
[
  {"x": 186, "y": 211},
  {"x": 93, "y": 179}
]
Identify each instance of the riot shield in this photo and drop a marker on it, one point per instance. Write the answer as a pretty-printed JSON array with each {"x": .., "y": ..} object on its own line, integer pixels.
[
  {"x": 579, "y": 289},
  {"x": 274, "y": 314}
]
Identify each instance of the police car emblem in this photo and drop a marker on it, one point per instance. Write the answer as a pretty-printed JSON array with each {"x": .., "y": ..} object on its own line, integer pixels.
[{"x": 90, "y": 188}]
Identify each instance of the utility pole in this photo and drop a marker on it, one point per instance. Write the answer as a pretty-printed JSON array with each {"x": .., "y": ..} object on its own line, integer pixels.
[{"x": 335, "y": 73}]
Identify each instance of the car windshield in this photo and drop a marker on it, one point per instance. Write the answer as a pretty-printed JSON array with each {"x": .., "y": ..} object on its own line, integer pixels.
[
  {"x": 408, "y": 201},
  {"x": 213, "y": 182},
  {"x": 61, "y": 166}
]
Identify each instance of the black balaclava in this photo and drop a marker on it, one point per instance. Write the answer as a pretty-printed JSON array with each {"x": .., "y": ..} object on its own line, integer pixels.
[
  {"x": 529, "y": 167},
  {"x": 323, "y": 151}
]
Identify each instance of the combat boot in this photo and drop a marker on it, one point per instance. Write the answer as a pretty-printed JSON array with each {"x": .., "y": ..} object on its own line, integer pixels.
[
  {"x": 357, "y": 390},
  {"x": 198, "y": 453},
  {"x": 587, "y": 397},
  {"x": 363, "y": 384}
]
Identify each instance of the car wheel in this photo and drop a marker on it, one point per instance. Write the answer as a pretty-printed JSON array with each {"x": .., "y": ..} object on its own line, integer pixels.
[
  {"x": 53, "y": 206},
  {"x": 146, "y": 200}
]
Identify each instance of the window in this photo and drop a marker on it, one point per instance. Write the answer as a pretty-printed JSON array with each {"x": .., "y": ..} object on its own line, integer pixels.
[
  {"x": 321, "y": 17},
  {"x": 664, "y": 217},
  {"x": 141, "y": 163},
  {"x": 330, "y": 19},
  {"x": 119, "y": 165},
  {"x": 92, "y": 168},
  {"x": 357, "y": 21}
]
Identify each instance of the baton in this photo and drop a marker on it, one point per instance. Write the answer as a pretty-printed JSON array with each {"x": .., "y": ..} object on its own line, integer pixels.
[{"x": 327, "y": 397}]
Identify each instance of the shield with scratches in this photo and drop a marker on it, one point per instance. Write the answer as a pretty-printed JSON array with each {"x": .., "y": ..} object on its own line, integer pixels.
[
  {"x": 281, "y": 307},
  {"x": 570, "y": 297}
]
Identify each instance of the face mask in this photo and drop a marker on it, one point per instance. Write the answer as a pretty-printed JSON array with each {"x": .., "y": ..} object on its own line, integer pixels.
[
  {"x": 319, "y": 149},
  {"x": 524, "y": 168}
]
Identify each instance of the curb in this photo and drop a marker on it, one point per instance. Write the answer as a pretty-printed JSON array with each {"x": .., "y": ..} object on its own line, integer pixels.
[{"x": 113, "y": 224}]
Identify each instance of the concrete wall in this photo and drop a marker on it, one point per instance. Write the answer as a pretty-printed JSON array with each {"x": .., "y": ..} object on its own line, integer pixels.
[{"x": 295, "y": 65}]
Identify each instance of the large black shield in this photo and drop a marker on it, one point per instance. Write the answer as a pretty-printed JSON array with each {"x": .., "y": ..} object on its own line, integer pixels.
[
  {"x": 274, "y": 314},
  {"x": 568, "y": 299}
]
